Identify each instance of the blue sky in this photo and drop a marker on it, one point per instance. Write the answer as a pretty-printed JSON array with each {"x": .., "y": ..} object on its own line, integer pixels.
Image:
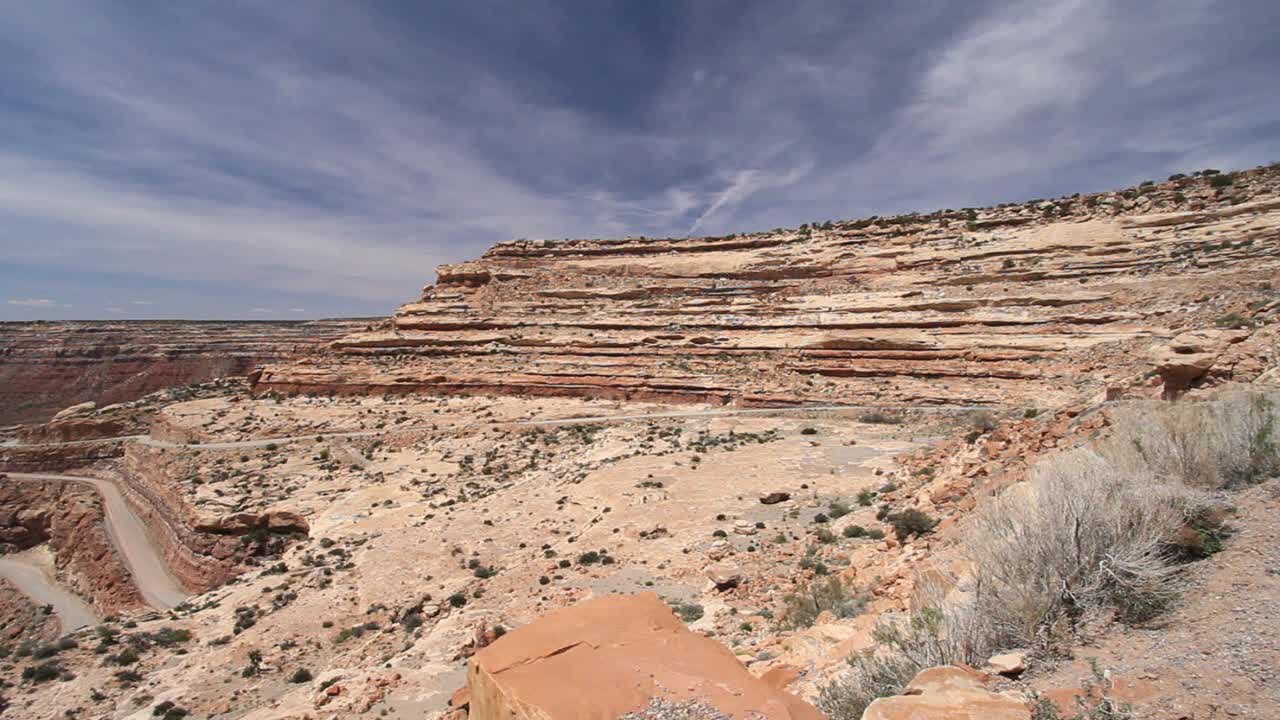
[{"x": 314, "y": 159}]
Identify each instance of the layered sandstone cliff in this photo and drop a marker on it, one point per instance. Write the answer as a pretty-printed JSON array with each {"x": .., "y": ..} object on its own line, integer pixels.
[
  {"x": 47, "y": 366},
  {"x": 202, "y": 549},
  {"x": 1032, "y": 304}
]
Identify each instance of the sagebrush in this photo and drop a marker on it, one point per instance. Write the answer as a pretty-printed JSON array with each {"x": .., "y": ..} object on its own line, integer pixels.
[{"x": 1095, "y": 530}]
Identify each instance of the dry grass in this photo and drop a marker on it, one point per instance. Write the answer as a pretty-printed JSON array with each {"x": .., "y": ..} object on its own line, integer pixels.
[{"x": 1230, "y": 441}]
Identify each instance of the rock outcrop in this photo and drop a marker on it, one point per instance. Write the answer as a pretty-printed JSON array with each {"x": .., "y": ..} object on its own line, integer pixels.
[
  {"x": 1033, "y": 304},
  {"x": 45, "y": 367},
  {"x": 202, "y": 549},
  {"x": 949, "y": 693},
  {"x": 610, "y": 656}
]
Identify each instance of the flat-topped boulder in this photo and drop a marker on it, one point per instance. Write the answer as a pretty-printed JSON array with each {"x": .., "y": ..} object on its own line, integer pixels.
[
  {"x": 949, "y": 693},
  {"x": 614, "y": 655}
]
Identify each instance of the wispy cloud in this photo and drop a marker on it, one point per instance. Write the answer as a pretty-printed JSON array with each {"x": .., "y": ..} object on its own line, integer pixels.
[
  {"x": 742, "y": 185},
  {"x": 34, "y": 303}
]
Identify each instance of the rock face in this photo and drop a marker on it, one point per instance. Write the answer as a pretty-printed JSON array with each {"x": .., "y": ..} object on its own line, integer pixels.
[
  {"x": 1018, "y": 305},
  {"x": 38, "y": 458},
  {"x": 69, "y": 517},
  {"x": 202, "y": 550},
  {"x": 610, "y": 656},
  {"x": 948, "y": 693},
  {"x": 1190, "y": 355},
  {"x": 45, "y": 367}
]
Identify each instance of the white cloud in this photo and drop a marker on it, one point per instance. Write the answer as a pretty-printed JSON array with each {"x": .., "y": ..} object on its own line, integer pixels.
[
  {"x": 742, "y": 185},
  {"x": 235, "y": 165},
  {"x": 35, "y": 302}
]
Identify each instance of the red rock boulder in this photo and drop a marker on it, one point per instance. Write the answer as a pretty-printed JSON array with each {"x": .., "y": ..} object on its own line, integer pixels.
[{"x": 610, "y": 656}]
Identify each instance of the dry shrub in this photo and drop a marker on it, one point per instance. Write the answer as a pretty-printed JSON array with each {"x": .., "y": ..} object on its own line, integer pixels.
[
  {"x": 1100, "y": 527},
  {"x": 1230, "y": 441},
  {"x": 931, "y": 636},
  {"x": 1079, "y": 536},
  {"x": 1095, "y": 529},
  {"x": 870, "y": 677}
]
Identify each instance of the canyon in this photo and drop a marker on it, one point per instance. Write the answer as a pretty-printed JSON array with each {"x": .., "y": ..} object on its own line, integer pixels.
[
  {"x": 48, "y": 366},
  {"x": 704, "y": 471}
]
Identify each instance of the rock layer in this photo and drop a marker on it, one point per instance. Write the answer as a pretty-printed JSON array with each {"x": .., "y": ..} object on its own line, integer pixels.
[
  {"x": 47, "y": 366},
  {"x": 1017, "y": 305},
  {"x": 201, "y": 550}
]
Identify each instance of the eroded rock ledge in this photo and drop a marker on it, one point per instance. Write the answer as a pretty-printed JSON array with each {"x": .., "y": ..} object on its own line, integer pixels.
[
  {"x": 201, "y": 550},
  {"x": 51, "y": 365}
]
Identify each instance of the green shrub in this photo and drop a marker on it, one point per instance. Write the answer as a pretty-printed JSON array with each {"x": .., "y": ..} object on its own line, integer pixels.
[
  {"x": 44, "y": 652},
  {"x": 255, "y": 664},
  {"x": 854, "y": 531},
  {"x": 44, "y": 672},
  {"x": 911, "y": 522},
  {"x": 301, "y": 675},
  {"x": 128, "y": 656},
  {"x": 688, "y": 612},
  {"x": 168, "y": 636},
  {"x": 833, "y": 594}
]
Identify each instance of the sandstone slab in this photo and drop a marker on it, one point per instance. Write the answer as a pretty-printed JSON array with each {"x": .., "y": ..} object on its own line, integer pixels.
[
  {"x": 612, "y": 655},
  {"x": 948, "y": 693}
]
